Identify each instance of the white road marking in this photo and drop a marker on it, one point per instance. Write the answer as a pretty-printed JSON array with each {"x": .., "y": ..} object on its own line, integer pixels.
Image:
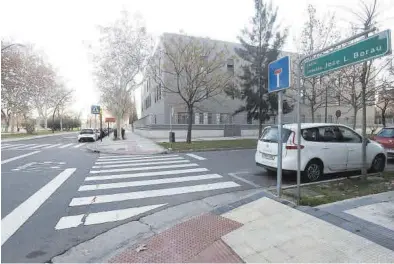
[
  {"x": 244, "y": 180},
  {"x": 93, "y": 187},
  {"x": 79, "y": 145},
  {"x": 144, "y": 174},
  {"x": 103, "y": 217},
  {"x": 67, "y": 145},
  {"x": 124, "y": 157},
  {"x": 196, "y": 157},
  {"x": 133, "y": 161},
  {"x": 19, "y": 157},
  {"x": 52, "y": 146},
  {"x": 140, "y": 164},
  {"x": 14, "y": 220},
  {"x": 147, "y": 168},
  {"x": 39, "y": 146},
  {"x": 22, "y": 146},
  {"x": 151, "y": 193}
]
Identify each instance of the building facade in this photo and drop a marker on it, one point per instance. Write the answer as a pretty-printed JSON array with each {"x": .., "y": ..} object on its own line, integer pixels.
[{"x": 161, "y": 108}]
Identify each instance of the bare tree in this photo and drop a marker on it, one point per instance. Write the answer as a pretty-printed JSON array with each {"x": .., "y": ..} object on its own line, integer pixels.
[
  {"x": 62, "y": 98},
  {"x": 17, "y": 83},
  {"x": 316, "y": 35},
  {"x": 193, "y": 69},
  {"x": 385, "y": 101},
  {"x": 124, "y": 50}
]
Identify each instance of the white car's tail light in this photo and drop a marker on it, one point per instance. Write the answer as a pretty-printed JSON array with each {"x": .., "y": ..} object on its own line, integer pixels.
[{"x": 291, "y": 142}]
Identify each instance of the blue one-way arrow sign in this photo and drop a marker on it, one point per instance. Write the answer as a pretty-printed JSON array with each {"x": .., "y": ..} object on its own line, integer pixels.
[{"x": 279, "y": 74}]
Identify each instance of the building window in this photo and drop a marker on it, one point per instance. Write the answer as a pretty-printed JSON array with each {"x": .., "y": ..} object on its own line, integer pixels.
[
  {"x": 329, "y": 119},
  {"x": 302, "y": 118},
  {"x": 182, "y": 118},
  {"x": 230, "y": 66},
  {"x": 201, "y": 118},
  {"x": 210, "y": 118},
  {"x": 249, "y": 120},
  {"x": 318, "y": 118},
  {"x": 225, "y": 119}
]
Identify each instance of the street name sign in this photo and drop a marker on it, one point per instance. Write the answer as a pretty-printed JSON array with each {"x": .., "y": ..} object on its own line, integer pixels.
[
  {"x": 373, "y": 47},
  {"x": 95, "y": 109},
  {"x": 279, "y": 74}
]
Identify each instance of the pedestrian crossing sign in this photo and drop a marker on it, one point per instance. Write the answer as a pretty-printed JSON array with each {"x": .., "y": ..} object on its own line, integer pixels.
[{"x": 95, "y": 109}]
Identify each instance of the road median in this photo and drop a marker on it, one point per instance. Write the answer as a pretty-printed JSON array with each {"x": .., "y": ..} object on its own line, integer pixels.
[
  {"x": 24, "y": 136},
  {"x": 314, "y": 194},
  {"x": 211, "y": 145}
]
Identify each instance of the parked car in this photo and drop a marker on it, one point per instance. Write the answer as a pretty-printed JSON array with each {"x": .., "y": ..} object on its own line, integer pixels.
[
  {"x": 87, "y": 134},
  {"x": 385, "y": 137},
  {"x": 325, "y": 148}
]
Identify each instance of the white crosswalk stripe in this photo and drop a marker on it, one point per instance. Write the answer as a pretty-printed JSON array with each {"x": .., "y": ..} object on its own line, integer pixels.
[
  {"x": 128, "y": 182},
  {"x": 6, "y": 147},
  {"x": 67, "y": 145}
]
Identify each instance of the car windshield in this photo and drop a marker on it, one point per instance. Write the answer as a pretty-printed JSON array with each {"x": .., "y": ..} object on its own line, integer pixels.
[
  {"x": 386, "y": 133},
  {"x": 271, "y": 135},
  {"x": 86, "y": 131}
]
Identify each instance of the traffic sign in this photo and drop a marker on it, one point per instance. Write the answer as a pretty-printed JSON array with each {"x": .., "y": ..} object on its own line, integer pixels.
[
  {"x": 373, "y": 47},
  {"x": 279, "y": 74},
  {"x": 95, "y": 109}
]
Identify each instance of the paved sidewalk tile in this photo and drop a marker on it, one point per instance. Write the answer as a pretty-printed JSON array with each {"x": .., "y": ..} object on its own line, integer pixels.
[
  {"x": 273, "y": 232},
  {"x": 190, "y": 241}
]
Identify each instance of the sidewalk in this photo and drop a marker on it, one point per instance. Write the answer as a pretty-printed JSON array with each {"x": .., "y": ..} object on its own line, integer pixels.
[
  {"x": 257, "y": 229},
  {"x": 132, "y": 145}
]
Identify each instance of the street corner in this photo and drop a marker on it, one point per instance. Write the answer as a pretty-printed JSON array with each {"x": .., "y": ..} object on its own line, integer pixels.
[{"x": 195, "y": 240}]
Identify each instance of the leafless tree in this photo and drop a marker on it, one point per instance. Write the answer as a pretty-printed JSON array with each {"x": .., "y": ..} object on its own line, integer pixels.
[
  {"x": 124, "y": 50},
  {"x": 59, "y": 102},
  {"x": 17, "y": 83},
  {"x": 317, "y": 34},
  {"x": 385, "y": 101},
  {"x": 192, "y": 68}
]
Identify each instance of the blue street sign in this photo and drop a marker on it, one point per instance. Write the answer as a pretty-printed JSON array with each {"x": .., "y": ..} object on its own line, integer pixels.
[
  {"x": 95, "y": 109},
  {"x": 279, "y": 74}
]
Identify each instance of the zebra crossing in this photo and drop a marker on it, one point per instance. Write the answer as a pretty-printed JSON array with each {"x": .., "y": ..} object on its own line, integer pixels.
[
  {"x": 121, "y": 187},
  {"x": 5, "y": 147}
]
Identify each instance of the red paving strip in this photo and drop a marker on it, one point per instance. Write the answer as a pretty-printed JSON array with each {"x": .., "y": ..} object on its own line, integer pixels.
[
  {"x": 186, "y": 242},
  {"x": 218, "y": 252}
]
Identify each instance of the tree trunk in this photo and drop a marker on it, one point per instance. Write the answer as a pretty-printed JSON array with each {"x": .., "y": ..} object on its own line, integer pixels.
[
  {"x": 355, "y": 117},
  {"x": 383, "y": 118},
  {"x": 189, "y": 124},
  {"x": 53, "y": 121},
  {"x": 61, "y": 123},
  {"x": 312, "y": 114},
  {"x": 118, "y": 127},
  {"x": 45, "y": 122}
]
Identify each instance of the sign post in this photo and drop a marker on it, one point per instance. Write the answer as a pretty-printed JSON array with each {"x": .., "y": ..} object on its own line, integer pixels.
[
  {"x": 96, "y": 110},
  {"x": 279, "y": 74},
  {"x": 373, "y": 47}
]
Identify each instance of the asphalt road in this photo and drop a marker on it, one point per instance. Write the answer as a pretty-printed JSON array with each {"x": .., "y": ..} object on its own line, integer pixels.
[
  {"x": 66, "y": 196},
  {"x": 99, "y": 195}
]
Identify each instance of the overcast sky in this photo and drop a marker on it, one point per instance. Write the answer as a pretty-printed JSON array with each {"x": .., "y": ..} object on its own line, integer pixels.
[{"x": 63, "y": 29}]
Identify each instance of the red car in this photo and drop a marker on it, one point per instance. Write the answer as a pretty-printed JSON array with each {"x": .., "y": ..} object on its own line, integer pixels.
[{"x": 386, "y": 138}]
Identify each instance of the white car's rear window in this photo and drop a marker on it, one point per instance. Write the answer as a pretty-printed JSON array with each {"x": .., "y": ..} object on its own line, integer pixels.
[{"x": 271, "y": 134}]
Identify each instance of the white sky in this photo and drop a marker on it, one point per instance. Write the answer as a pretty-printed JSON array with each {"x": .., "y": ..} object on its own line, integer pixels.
[{"x": 63, "y": 29}]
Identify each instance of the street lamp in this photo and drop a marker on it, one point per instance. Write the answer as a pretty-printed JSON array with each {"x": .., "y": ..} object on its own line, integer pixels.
[{"x": 9, "y": 46}]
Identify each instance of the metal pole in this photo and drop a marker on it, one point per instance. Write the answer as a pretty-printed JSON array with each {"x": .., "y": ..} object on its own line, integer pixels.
[
  {"x": 298, "y": 86},
  {"x": 280, "y": 145},
  {"x": 101, "y": 126}
]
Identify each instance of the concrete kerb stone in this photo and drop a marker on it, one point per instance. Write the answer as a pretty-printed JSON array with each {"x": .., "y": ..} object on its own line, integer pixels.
[
  {"x": 203, "y": 150},
  {"x": 110, "y": 243}
]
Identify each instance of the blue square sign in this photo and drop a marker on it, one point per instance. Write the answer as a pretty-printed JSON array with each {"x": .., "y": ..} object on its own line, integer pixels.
[
  {"x": 95, "y": 109},
  {"x": 279, "y": 74}
]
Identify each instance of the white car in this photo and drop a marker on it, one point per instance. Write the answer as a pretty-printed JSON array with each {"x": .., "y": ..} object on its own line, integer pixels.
[
  {"x": 87, "y": 134},
  {"x": 325, "y": 148}
]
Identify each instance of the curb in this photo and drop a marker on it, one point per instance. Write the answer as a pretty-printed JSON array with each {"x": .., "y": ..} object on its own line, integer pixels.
[
  {"x": 36, "y": 137},
  {"x": 94, "y": 150},
  {"x": 210, "y": 149}
]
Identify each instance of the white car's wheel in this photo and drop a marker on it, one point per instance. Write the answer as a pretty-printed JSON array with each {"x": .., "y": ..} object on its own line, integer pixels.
[
  {"x": 378, "y": 163},
  {"x": 313, "y": 170}
]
